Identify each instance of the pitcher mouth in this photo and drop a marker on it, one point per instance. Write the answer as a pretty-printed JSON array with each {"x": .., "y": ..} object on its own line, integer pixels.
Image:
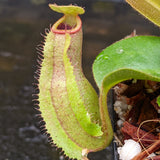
[{"x": 63, "y": 26}]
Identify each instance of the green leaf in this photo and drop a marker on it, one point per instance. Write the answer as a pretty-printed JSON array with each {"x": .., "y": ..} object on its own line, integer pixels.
[
  {"x": 136, "y": 57},
  {"x": 149, "y": 8},
  {"x": 158, "y": 101}
]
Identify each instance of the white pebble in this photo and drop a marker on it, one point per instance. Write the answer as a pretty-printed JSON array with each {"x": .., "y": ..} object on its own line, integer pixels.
[
  {"x": 119, "y": 123},
  {"x": 151, "y": 155},
  {"x": 130, "y": 149},
  {"x": 129, "y": 107}
]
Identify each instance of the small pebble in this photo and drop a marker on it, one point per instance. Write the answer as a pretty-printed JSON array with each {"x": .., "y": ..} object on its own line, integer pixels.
[{"x": 130, "y": 149}]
